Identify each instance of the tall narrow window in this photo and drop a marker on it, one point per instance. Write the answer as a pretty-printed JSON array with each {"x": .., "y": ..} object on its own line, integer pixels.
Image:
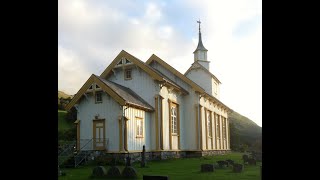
[
  {"x": 174, "y": 128},
  {"x": 218, "y": 126},
  {"x": 224, "y": 128},
  {"x": 98, "y": 97},
  {"x": 209, "y": 123},
  {"x": 139, "y": 127},
  {"x": 215, "y": 88},
  {"x": 128, "y": 74}
]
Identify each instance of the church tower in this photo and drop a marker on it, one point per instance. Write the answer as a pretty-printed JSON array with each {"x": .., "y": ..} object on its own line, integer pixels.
[
  {"x": 199, "y": 71},
  {"x": 200, "y": 54}
]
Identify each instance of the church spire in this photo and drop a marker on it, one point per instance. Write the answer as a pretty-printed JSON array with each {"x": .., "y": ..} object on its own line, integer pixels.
[
  {"x": 200, "y": 45},
  {"x": 200, "y": 54}
]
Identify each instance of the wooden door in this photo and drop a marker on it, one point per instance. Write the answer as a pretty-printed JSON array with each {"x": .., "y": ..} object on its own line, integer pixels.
[{"x": 99, "y": 140}]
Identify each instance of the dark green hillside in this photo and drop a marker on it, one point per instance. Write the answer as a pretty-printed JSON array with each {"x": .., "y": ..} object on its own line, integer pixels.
[{"x": 244, "y": 132}]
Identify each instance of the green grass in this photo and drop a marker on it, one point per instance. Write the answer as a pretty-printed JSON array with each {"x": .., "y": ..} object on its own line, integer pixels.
[
  {"x": 62, "y": 123},
  {"x": 185, "y": 168}
]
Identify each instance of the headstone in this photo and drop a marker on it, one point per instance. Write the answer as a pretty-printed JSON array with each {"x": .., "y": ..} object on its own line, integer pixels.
[
  {"x": 207, "y": 168},
  {"x": 129, "y": 172},
  {"x": 252, "y": 161},
  {"x": 143, "y": 158},
  {"x": 151, "y": 177},
  {"x": 128, "y": 160},
  {"x": 99, "y": 171},
  {"x": 113, "y": 171},
  {"x": 237, "y": 168}
]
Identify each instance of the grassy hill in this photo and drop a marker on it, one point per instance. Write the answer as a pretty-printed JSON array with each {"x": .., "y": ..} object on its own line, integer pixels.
[
  {"x": 244, "y": 131},
  {"x": 62, "y": 122},
  {"x": 63, "y": 95}
]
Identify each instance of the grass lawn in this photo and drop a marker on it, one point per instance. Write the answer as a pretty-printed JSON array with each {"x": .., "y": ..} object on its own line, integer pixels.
[
  {"x": 185, "y": 168},
  {"x": 62, "y": 123}
]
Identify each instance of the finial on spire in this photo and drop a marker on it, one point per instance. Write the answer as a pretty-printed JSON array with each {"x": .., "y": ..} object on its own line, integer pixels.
[{"x": 199, "y": 25}]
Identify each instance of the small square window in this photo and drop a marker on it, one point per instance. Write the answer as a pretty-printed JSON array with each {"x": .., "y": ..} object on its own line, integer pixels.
[
  {"x": 128, "y": 74},
  {"x": 98, "y": 97}
]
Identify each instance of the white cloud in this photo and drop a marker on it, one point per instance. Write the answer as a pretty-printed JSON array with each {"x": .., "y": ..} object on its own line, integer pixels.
[
  {"x": 92, "y": 33},
  {"x": 72, "y": 74}
]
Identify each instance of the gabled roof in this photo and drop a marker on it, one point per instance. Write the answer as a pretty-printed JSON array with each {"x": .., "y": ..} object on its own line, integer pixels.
[
  {"x": 195, "y": 86},
  {"x": 201, "y": 67},
  {"x": 175, "y": 72},
  {"x": 148, "y": 69},
  {"x": 121, "y": 94},
  {"x": 127, "y": 94}
]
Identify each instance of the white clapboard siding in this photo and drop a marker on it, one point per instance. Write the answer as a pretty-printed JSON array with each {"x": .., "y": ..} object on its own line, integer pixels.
[
  {"x": 141, "y": 83},
  {"x": 135, "y": 143},
  {"x": 204, "y": 80},
  {"x": 109, "y": 110}
]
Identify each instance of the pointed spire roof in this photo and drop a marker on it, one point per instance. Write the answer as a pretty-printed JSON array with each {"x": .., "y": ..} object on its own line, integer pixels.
[{"x": 200, "y": 45}]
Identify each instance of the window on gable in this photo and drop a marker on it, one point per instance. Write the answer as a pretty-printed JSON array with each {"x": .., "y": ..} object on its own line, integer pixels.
[
  {"x": 120, "y": 62},
  {"x": 139, "y": 127},
  {"x": 98, "y": 97},
  {"x": 97, "y": 86},
  {"x": 127, "y": 61},
  {"x": 90, "y": 87},
  {"x": 215, "y": 88},
  {"x": 128, "y": 74}
]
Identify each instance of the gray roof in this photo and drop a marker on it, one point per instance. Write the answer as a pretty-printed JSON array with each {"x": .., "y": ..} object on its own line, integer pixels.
[
  {"x": 169, "y": 80},
  {"x": 200, "y": 45},
  {"x": 127, "y": 94}
]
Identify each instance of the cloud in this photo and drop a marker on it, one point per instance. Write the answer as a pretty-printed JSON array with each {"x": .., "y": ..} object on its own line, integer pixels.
[{"x": 92, "y": 33}]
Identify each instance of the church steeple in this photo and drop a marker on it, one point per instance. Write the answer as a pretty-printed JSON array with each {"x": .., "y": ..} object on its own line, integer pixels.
[
  {"x": 200, "y": 45},
  {"x": 200, "y": 54}
]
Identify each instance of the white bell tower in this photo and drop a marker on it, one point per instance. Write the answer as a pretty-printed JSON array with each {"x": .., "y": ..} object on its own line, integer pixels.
[{"x": 200, "y": 54}]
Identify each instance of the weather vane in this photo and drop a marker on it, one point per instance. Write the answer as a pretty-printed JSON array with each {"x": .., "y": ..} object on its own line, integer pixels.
[{"x": 199, "y": 24}]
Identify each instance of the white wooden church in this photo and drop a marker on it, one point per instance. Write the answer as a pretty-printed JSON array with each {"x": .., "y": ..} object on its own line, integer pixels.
[{"x": 135, "y": 103}]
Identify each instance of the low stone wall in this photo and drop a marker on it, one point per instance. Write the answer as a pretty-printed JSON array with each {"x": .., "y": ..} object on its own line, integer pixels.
[{"x": 156, "y": 155}]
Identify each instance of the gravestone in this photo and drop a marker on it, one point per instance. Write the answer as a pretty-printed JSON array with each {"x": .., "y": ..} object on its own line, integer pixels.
[
  {"x": 128, "y": 160},
  {"x": 151, "y": 177},
  {"x": 114, "y": 172},
  {"x": 129, "y": 172},
  {"x": 143, "y": 158},
  {"x": 99, "y": 171},
  {"x": 237, "y": 168},
  {"x": 207, "y": 168}
]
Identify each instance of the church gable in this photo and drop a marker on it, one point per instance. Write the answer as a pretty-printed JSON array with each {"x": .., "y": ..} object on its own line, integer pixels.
[
  {"x": 125, "y": 59},
  {"x": 196, "y": 66},
  {"x": 179, "y": 78}
]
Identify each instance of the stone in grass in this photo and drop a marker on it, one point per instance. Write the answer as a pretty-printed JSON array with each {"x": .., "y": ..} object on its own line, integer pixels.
[
  {"x": 114, "y": 172},
  {"x": 129, "y": 172},
  {"x": 99, "y": 171},
  {"x": 207, "y": 168},
  {"x": 223, "y": 164},
  {"x": 237, "y": 168}
]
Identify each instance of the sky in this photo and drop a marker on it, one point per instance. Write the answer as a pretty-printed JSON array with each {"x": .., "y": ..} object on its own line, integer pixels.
[{"x": 92, "y": 33}]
